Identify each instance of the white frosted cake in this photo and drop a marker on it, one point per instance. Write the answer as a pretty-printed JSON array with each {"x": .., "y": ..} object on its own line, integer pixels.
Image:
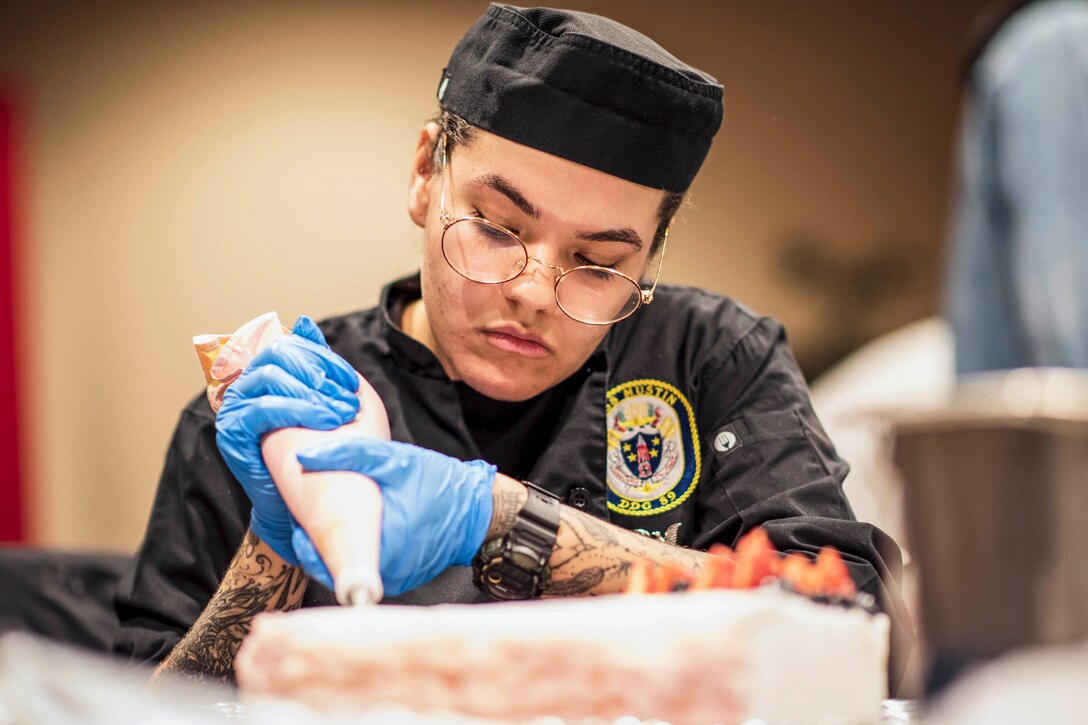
[{"x": 696, "y": 657}]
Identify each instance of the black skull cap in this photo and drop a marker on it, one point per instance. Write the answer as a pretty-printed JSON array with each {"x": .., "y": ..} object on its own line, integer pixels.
[{"x": 584, "y": 88}]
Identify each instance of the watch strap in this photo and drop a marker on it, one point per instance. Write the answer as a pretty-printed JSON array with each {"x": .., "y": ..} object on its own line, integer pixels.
[{"x": 515, "y": 565}]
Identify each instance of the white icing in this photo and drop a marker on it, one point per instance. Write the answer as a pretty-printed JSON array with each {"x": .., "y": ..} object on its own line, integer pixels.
[{"x": 693, "y": 657}]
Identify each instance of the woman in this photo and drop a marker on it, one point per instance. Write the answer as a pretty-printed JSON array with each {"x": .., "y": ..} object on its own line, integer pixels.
[{"x": 664, "y": 419}]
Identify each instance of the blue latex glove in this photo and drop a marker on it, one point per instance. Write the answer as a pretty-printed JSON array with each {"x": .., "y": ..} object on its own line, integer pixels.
[
  {"x": 297, "y": 381},
  {"x": 435, "y": 509}
]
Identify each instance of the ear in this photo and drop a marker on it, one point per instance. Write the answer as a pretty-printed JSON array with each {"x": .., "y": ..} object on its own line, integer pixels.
[{"x": 419, "y": 184}]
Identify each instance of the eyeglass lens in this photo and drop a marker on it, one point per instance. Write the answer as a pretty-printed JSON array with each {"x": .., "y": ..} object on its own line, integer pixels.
[{"x": 483, "y": 252}]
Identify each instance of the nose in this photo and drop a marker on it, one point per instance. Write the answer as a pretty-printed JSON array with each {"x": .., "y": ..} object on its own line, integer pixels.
[
  {"x": 534, "y": 288},
  {"x": 555, "y": 269}
]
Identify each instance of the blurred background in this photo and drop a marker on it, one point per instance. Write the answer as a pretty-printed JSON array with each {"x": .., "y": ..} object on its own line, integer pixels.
[{"x": 179, "y": 168}]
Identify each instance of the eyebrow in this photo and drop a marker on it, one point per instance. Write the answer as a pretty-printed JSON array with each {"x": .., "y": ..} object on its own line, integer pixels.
[
  {"x": 504, "y": 187},
  {"x": 626, "y": 235}
]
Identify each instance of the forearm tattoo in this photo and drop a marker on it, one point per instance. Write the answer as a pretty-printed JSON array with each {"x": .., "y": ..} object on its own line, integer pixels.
[
  {"x": 594, "y": 557},
  {"x": 255, "y": 582},
  {"x": 506, "y": 506}
]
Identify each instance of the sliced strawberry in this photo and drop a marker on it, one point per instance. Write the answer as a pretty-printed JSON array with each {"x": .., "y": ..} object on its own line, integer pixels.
[
  {"x": 717, "y": 571},
  {"x": 792, "y": 569},
  {"x": 757, "y": 559},
  {"x": 836, "y": 577}
]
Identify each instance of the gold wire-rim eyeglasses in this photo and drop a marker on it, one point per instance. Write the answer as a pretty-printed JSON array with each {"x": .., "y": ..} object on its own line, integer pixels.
[{"x": 645, "y": 296}]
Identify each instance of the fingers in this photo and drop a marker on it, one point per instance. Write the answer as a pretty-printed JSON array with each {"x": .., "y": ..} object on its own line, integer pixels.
[
  {"x": 368, "y": 456},
  {"x": 309, "y": 362},
  {"x": 267, "y": 413},
  {"x": 271, "y": 380},
  {"x": 306, "y": 327}
]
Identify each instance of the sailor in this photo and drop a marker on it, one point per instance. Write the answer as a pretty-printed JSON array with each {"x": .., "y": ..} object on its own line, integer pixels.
[{"x": 546, "y": 395}]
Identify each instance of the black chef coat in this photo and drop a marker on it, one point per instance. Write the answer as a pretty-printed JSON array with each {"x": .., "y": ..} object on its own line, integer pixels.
[{"x": 690, "y": 418}]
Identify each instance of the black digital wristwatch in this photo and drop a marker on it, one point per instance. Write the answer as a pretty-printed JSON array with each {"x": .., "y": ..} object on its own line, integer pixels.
[{"x": 515, "y": 565}]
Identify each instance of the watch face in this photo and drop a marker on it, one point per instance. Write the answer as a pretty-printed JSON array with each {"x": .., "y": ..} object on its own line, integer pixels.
[
  {"x": 503, "y": 581},
  {"x": 510, "y": 572},
  {"x": 525, "y": 559}
]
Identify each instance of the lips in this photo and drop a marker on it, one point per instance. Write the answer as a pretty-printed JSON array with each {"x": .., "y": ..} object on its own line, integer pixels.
[{"x": 512, "y": 339}]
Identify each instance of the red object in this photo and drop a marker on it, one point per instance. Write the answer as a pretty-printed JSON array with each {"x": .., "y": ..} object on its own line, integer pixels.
[
  {"x": 757, "y": 559},
  {"x": 836, "y": 577},
  {"x": 11, "y": 509},
  {"x": 754, "y": 562},
  {"x": 718, "y": 571}
]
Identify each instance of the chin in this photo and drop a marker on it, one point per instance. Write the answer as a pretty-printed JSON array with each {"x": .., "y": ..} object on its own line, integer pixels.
[{"x": 498, "y": 385}]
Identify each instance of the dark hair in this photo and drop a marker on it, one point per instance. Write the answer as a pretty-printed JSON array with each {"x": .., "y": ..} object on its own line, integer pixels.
[{"x": 460, "y": 131}]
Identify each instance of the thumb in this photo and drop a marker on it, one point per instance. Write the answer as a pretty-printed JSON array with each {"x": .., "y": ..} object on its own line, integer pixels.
[
  {"x": 361, "y": 454},
  {"x": 306, "y": 327}
]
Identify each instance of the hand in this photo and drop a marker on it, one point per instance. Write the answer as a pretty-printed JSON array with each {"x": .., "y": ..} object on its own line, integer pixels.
[
  {"x": 295, "y": 381},
  {"x": 435, "y": 509}
]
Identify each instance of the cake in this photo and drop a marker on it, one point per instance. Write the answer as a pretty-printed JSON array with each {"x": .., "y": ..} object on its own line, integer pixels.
[{"x": 717, "y": 656}]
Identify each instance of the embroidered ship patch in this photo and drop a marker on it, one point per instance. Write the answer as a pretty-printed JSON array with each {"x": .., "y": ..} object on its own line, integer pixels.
[{"x": 652, "y": 462}]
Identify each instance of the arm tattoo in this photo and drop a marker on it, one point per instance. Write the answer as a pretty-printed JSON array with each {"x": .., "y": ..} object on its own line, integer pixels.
[
  {"x": 583, "y": 582},
  {"x": 507, "y": 505},
  {"x": 590, "y": 556},
  {"x": 256, "y": 581},
  {"x": 594, "y": 557}
]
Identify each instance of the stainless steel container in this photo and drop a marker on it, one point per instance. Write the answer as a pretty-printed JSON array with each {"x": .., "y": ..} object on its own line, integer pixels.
[{"x": 996, "y": 500}]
